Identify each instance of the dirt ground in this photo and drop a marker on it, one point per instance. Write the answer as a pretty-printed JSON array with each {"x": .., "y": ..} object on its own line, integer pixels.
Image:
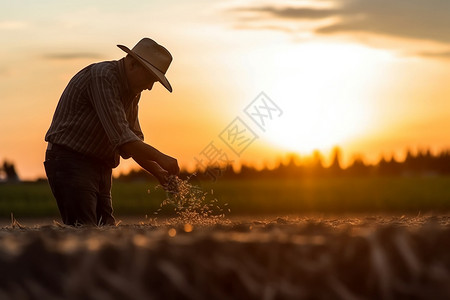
[{"x": 310, "y": 257}]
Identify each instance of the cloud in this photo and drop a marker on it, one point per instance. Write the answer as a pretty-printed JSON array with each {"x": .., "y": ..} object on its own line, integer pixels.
[
  {"x": 71, "y": 55},
  {"x": 412, "y": 19},
  {"x": 437, "y": 54},
  {"x": 295, "y": 13}
]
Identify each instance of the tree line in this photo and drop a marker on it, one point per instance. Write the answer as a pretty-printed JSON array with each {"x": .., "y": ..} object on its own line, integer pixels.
[{"x": 421, "y": 163}]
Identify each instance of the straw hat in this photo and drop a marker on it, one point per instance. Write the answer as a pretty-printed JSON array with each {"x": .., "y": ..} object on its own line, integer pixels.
[{"x": 153, "y": 56}]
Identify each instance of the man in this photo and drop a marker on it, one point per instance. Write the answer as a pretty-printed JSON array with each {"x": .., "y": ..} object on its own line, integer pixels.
[{"x": 95, "y": 122}]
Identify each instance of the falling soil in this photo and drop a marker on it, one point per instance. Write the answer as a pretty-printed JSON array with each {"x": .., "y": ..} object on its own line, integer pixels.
[{"x": 191, "y": 204}]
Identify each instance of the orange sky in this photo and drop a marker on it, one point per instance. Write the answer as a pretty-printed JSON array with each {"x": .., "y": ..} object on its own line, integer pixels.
[{"x": 368, "y": 76}]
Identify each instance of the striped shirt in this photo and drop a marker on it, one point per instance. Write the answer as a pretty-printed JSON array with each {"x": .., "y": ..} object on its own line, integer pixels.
[{"x": 97, "y": 113}]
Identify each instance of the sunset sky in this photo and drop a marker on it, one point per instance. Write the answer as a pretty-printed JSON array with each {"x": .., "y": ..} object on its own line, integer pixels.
[{"x": 369, "y": 76}]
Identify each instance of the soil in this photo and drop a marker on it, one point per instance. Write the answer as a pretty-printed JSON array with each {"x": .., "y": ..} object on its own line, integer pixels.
[{"x": 313, "y": 257}]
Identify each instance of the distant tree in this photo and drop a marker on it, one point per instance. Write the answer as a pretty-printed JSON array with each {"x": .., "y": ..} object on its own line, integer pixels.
[
  {"x": 10, "y": 172},
  {"x": 291, "y": 168},
  {"x": 317, "y": 160},
  {"x": 389, "y": 166},
  {"x": 136, "y": 175},
  {"x": 358, "y": 167},
  {"x": 315, "y": 166},
  {"x": 409, "y": 165},
  {"x": 443, "y": 162},
  {"x": 335, "y": 167}
]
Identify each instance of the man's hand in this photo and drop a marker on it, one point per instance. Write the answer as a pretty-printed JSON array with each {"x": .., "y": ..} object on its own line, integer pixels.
[
  {"x": 156, "y": 170},
  {"x": 160, "y": 174},
  {"x": 170, "y": 164},
  {"x": 142, "y": 153}
]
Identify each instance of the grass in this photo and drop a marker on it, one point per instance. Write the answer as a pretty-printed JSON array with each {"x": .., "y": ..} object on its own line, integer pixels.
[
  {"x": 328, "y": 195},
  {"x": 337, "y": 195},
  {"x": 27, "y": 199}
]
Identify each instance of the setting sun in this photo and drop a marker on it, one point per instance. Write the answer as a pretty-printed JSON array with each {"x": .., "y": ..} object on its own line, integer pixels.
[{"x": 320, "y": 89}]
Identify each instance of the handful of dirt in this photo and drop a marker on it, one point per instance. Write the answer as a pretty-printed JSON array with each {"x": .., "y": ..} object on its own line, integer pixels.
[{"x": 173, "y": 184}]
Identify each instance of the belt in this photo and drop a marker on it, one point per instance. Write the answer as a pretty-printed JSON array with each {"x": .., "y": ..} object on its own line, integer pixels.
[{"x": 57, "y": 147}]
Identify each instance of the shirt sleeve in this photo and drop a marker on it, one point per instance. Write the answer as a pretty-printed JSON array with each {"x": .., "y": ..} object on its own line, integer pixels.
[
  {"x": 137, "y": 129},
  {"x": 109, "y": 107},
  {"x": 132, "y": 116},
  {"x": 134, "y": 119}
]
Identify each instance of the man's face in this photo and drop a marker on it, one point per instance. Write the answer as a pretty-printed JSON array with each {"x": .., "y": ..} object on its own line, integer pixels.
[{"x": 141, "y": 79}]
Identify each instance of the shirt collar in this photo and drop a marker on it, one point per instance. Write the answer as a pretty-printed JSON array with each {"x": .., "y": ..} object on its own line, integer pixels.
[
  {"x": 127, "y": 94},
  {"x": 123, "y": 77}
]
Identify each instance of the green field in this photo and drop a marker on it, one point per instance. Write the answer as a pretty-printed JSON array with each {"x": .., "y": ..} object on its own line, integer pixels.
[{"x": 252, "y": 197}]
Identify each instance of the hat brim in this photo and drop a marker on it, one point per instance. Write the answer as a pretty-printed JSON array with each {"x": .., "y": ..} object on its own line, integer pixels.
[{"x": 160, "y": 75}]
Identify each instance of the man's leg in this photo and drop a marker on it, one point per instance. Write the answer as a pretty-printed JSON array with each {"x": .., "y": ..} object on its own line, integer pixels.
[
  {"x": 104, "y": 204},
  {"x": 74, "y": 184}
]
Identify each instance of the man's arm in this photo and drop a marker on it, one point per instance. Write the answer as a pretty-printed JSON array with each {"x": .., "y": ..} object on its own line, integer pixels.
[{"x": 146, "y": 156}]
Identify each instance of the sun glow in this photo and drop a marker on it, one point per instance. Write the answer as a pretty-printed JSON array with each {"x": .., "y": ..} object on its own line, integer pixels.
[{"x": 324, "y": 93}]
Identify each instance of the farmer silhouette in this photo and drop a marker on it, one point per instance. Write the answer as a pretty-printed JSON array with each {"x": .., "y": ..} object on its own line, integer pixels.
[{"x": 96, "y": 122}]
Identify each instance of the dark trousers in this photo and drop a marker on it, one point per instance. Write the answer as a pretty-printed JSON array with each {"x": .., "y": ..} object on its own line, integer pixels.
[{"x": 81, "y": 186}]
